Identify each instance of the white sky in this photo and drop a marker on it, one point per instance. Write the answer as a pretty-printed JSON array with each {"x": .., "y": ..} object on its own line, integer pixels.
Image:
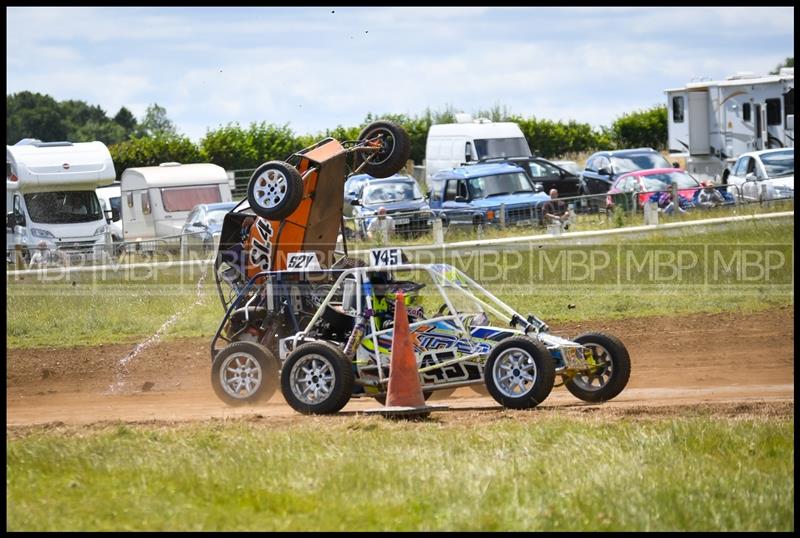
[{"x": 316, "y": 68}]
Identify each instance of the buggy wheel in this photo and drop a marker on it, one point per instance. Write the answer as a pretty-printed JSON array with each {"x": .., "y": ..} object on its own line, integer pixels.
[
  {"x": 608, "y": 380},
  {"x": 275, "y": 190},
  {"x": 395, "y": 148},
  {"x": 244, "y": 373},
  {"x": 317, "y": 379},
  {"x": 519, "y": 372}
]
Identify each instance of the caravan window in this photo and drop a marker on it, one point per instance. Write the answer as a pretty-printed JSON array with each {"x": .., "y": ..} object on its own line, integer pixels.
[
  {"x": 185, "y": 198},
  {"x": 63, "y": 207},
  {"x": 677, "y": 109},
  {"x": 774, "y": 112},
  {"x": 746, "y": 112}
]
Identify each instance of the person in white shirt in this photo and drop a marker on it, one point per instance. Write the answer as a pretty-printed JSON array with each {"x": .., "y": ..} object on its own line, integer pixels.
[{"x": 381, "y": 226}]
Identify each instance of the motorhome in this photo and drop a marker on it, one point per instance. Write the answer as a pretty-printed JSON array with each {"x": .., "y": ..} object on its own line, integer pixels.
[
  {"x": 711, "y": 123},
  {"x": 451, "y": 144},
  {"x": 51, "y": 199},
  {"x": 157, "y": 199}
]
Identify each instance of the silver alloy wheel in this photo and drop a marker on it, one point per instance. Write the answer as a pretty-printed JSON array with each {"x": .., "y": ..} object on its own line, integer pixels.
[
  {"x": 312, "y": 378},
  {"x": 602, "y": 376},
  {"x": 514, "y": 372},
  {"x": 240, "y": 375},
  {"x": 270, "y": 188}
]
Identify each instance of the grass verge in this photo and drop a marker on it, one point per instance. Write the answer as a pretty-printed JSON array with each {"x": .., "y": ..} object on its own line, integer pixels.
[{"x": 514, "y": 471}]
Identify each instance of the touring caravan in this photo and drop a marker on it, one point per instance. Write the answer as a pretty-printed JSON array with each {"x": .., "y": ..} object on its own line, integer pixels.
[
  {"x": 451, "y": 144},
  {"x": 157, "y": 199},
  {"x": 712, "y": 123},
  {"x": 50, "y": 197}
]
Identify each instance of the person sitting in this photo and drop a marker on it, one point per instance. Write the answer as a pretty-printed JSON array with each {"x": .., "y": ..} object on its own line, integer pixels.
[
  {"x": 382, "y": 225},
  {"x": 666, "y": 202},
  {"x": 710, "y": 197},
  {"x": 556, "y": 211}
]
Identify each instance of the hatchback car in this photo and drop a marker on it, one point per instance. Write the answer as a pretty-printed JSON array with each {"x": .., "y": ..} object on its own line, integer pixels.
[
  {"x": 201, "y": 230},
  {"x": 763, "y": 175},
  {"x": 549, "y": 174},
  {"x": 639, "y": 187},
  {"x": 604, "y": 167}
]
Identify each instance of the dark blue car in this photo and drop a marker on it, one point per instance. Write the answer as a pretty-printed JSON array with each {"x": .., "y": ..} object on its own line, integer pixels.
[
  {"x": 475, "y": 194},
  {"x": 403, "y": 201}
]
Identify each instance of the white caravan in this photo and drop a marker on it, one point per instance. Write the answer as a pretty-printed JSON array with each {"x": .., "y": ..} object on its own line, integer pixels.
[
  {"x": 157, "y": 199},
  {"x": 451, "y": 144},
  {"x": 712, "y": 123},
  {"x": 50, "y": 196}
]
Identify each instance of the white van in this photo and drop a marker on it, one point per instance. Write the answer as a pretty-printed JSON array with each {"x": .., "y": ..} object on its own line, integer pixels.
[
  {"x": 451, "y": 144},
  {"x": 157, "y": 199},
  {"x": 50, "y": 197}
]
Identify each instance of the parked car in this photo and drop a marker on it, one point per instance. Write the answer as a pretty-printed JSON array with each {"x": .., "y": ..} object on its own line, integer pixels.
[
  {"x": 604, "y": 167},
  {"x": 550, "y": 175},
  {"x": 649, "y": 184},
  {"x": 474, "y": 194},
  {"x": 764, "y": 175},
  {"x": 403, "y": 200},
  {"x": 202, "y": 228},
  {"x": 570, "y": 166}
]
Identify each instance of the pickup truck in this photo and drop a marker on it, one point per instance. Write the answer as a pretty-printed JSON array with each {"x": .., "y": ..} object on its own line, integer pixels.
[{"x": 474, "y": 194}]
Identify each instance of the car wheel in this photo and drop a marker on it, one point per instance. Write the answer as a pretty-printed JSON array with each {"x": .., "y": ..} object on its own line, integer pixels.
[
  {"x": 519, "y": 372},
  {"x": 607, "y": 381},
  {"x": 244, "y": 373},
  {"x": 395, "y": 149},
  {"x": 317, "y": 379},
  {"x": 275, "y": 190}
]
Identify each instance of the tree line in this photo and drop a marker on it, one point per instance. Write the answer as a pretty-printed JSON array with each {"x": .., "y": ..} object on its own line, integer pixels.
[{"x": 153, "y": 138}]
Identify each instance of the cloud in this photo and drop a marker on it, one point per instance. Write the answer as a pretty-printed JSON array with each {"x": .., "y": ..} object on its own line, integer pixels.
[{"x": 315, "y": 69}]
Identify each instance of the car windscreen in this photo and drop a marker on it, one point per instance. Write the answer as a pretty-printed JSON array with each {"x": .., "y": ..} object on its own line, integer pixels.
[
  {"x": 499, "y": 184},
  {"x": 63, "y": 207},
  {"x": 502, "y": 147},
  {"x": 185, "y": 198},
  {"x": 780, "y": 163},
  {"x": 661, "y": 182},
  {"x": 385, "y": 193},
  {"x": 638, "y": 161}
]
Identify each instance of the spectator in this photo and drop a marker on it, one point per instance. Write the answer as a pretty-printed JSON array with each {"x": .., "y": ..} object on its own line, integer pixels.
[
  {"x": 43, "y": 256},
  {"x": 710, "y": 197},
  {"x": 556, "y": 211},
  {"x": 667, "y": 204},
  {"x": 381, "y": 226}
]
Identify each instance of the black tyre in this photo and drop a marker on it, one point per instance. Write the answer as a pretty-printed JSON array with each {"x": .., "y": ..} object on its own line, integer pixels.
[
  {"x": 317, "y": 379},
  {"x": 608, "y": 380},
  {"x": 395, "y": 149},
  {"x": 519, "y": 372},
  {"x": 275, "y": 190},
  {"x": 244, "y": 373}
]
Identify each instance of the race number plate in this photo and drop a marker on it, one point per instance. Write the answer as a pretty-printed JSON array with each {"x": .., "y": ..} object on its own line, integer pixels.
[
  {"x": 385, "y": 256},
  {"x": 303, "y": 261}
]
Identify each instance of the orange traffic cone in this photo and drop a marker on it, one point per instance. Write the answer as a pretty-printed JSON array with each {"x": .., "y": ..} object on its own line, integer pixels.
[
  {"x": 404, "y": 388},
  {"x": 404, "y": 394}
]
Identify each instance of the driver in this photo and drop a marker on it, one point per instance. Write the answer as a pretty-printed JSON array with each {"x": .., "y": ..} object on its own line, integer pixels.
[{"x": 384, "y": 297}]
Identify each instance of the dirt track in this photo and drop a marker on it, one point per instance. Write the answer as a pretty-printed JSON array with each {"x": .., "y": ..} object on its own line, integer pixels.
[{"x": 678, "y": 363}]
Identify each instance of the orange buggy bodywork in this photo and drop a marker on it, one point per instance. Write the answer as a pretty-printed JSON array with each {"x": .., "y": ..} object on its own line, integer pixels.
[{"x": 313, "y": 226}]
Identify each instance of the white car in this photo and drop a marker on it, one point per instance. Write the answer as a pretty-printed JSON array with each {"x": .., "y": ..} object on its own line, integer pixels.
[{"x": 763, "y": 175}]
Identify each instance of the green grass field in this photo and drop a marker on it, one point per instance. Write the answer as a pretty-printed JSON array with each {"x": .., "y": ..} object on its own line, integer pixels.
[
  {"x": 510, "y": 471},
  {"x": 129, "y": 306}
]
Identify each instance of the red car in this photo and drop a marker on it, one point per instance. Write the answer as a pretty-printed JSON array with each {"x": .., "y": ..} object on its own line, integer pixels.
[{"x": 648, "y": 182}]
